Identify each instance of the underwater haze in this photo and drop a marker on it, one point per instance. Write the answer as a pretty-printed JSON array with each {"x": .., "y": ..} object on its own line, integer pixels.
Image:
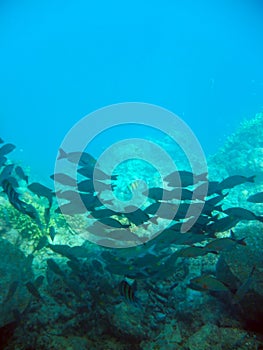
[
  {"x": 131, "y": 175},
  {"x": 62, "y": 60}
]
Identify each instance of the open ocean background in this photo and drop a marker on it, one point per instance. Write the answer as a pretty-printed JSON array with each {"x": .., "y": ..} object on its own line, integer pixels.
[{"x": 61, "y": 60}]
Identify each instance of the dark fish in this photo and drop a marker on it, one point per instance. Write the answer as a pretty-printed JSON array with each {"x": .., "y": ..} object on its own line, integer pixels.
[
  {"x": 128, "y": 292},
  {"x": 192, "y": 252},
  {"x": 82, "y": 158},
  {"x": 112, "y": 223},
  {"x": 224, "y": 243},
  {"x": 212, "y": 202},
  {"x": 47, "y": 215},
  {"x": 186, "y": 178},
  {"x": 6, "y": 172},
  {"x": 13, "y": 181},
  {"x": 69, "y": 195},
  {"x": 55, "y": 267},
  {"x": 43, "y": 241},
  {"x": 167, "y": 210},
  {"x": 79, "y": 251},
  {"x": 243, "y": 214},
  {"x": 31, "y": 211},
  {"x": 41, "y": 191},
  {"x": 136, "y": 215},
  {"x": 13, "y": 196},
  {"x": 20, "y": 172},
  {"x": 234, "y": 180},
  {"x": 222, "y": 224},
  {"x": 11, "y": 291},
  {"x": 89, "y": 186},
  {"x": 62, "y": 249},
  {"x": 33, "y": 290},
  {"x": 91, "y": 202},
  {"x": 52, "y": 232},
  {"x": 213, "y": 188},
  {"x": 7, "y": 148},
  {"x": 157, "y": 193},
  {"x": 71, "y": 209},
  {"x": 207, "y": 283},
  {"x": 256, "y": 198},
  {"x": 97, "y": 174},
  {"x": 64, "y": 179},
  {"x": 122, "y": 235},
  {"x": 1, "y": 140},
  {"x": 102, "y": 213}
]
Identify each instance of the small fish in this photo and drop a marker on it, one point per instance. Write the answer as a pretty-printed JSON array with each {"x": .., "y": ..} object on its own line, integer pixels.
[
  {"x": 62, "y": 249},
  {"x": 256, "y": 198},
  {"x": 234, "y": 180},
  {"x": 133, "y": 186},
  {"x": 158, "y": 193},
  {"x": 43, "y": 242},
  {"x": 136, "y": 215},
  {"x": 243, "y": 214},
  {"x": 1, "y": 140},
  {"x": 41, "y": 191},
  {"x": 113, "y": 223},
  {"x": 13, "y": 181},
  {"x": 102, "y": 213},
  {"x": 225, "y": 243},
  {"x": 53, "y": 266},
  {"x": 13, "y": 196},
  {"x": 71, "y": 208},
  {"x": 7, "y": 148},
  {"x": 33, "y": 290},
  {"x": 222, "y": 224},
  {"x": 6, "y": 172},
  {"x": 31, "y": 211},
  {"x": 192, "y": 252},
  {"x": 82, "y": 158},
  {"x": 64, "y": 179},
  {"x": 20, "y": 172},
  {"x": 47, "y": 215},
  {"x": 127, "y": 291},
  {"x": 52, "y": 232},
  {"x": 213, "y": 188},
  {"x": 89, "y": 186},
  {"x": 96, "y": 173},
  {"x": 185, "y": 178},
  {"x": 11, "y": 291},
  {"x": 207, "y": 283}
]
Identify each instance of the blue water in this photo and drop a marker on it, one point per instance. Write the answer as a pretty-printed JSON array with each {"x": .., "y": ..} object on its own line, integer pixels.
[{"x": 62, "y": 60}]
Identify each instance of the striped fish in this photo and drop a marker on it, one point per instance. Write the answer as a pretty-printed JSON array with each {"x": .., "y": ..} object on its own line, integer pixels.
[{"x": 127, "y": 291}]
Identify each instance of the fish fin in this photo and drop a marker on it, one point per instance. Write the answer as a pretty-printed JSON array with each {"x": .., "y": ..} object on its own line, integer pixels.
[
  {"x": 62, "y": 154},
  {"x": 232, "y": 235}
]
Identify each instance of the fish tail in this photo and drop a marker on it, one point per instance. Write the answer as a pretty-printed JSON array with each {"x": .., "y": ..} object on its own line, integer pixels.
[
  {"x": 62, "y": 154},
  {"x": 251, "y": 178},
  {"x": 259, "y": 218}
]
